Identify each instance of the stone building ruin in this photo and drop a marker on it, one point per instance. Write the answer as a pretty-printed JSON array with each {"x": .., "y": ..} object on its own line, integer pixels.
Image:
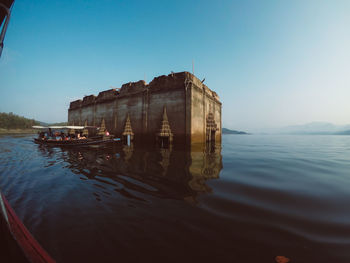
[{"x": 177, "y": 108}]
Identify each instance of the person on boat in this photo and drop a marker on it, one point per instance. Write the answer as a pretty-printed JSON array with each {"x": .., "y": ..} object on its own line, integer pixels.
[
  {"x": 42, "y": 136},
  {"x": 76, "y": 135},
  {"x": 57, "y": 136},
  {"x": 50, "y": 135},
  {"x": 82, "y": 136}
]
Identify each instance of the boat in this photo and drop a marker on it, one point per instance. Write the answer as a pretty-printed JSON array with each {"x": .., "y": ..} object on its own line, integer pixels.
[
  {"x": 46, "y": 137},
  {"x": 80, "y": 143},
  {"x": 17, "y": 243}
]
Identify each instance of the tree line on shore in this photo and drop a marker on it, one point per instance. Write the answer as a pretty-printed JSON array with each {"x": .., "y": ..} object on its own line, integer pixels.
[{"x": 13, "y": 121}]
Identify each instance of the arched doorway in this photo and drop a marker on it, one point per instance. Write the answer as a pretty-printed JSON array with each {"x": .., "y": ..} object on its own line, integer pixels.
[{"x": 211, "y": 128}]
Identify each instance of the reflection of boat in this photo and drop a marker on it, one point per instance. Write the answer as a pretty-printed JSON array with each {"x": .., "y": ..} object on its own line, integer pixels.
[
  {"x": 18, "y": 244},
  {"x": 47, "y": 137}
]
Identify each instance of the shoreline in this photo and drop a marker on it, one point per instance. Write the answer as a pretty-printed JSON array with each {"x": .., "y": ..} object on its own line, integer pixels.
[{"x": 17, "y": 131}]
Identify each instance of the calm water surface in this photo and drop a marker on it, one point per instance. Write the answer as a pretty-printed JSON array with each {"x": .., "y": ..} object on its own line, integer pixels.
[{"x": 255, "y": 198}]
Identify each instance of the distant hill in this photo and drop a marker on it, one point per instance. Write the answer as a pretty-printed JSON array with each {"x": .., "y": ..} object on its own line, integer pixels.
[
  {"x": 228, "y": 131},
  {"x": 13, "y": 121},
  {"x": 347, "y": 132},
  {"x": 316, "y": 128},
  {"x": 58, "y": 124},
  {"x": 53, "y": 124}
]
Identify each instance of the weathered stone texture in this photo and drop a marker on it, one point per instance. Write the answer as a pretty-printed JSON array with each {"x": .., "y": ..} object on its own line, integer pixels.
[{"x": 187, "y": 100}]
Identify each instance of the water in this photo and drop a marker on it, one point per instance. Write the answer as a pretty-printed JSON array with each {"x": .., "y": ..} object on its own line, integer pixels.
[{"x": 256, "y": 198}]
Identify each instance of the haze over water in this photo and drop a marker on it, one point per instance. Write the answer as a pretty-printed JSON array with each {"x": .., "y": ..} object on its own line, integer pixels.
[{"x": 255, "y": 198}]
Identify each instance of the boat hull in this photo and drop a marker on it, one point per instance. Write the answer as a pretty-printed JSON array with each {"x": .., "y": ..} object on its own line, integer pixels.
[
  {"x": 16, "y": 241},
  {"x": 76, "y": 143}
]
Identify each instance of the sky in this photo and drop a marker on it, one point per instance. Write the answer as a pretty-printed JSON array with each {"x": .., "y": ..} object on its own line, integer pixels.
[{"x": 272, "y": 63}]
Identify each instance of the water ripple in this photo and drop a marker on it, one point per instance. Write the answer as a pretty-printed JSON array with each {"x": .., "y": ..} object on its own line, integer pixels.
[{"x": 257, "y": 197}]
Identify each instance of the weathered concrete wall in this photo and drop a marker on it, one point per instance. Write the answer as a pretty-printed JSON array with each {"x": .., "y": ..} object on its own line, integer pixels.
[
  {"x": 197, "y": 114},
  {"x": 203, "y": 102},
  {"x": 187, "y": 100},
  {"x": 173, "y": 100},
  {"x": 74, "y": 112},
  {"x": 130, "y": 105},
  {"x": 88, "y": 114}
]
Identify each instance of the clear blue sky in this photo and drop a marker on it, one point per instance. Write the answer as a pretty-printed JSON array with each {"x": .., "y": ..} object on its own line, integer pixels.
[{"x": 273, "y": 63}]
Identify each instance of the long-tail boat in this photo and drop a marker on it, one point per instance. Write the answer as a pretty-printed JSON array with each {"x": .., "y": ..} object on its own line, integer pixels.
[
  {"x": 17, "y": 244},
  {"x": 74, "y": 140}
]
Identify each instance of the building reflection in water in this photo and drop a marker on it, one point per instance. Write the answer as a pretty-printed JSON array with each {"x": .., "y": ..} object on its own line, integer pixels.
[{"x": 160, "y": 172}]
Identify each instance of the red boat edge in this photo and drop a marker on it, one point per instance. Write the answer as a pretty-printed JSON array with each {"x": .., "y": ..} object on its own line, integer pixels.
[{"x": 31, "y": 249}]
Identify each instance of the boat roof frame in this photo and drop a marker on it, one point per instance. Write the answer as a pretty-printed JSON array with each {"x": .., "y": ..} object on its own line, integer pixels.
[{"x": 61, "y": 127}]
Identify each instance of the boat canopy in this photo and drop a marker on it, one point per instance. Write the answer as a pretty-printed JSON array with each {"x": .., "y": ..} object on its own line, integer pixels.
[{"x": 59, "y": 127}]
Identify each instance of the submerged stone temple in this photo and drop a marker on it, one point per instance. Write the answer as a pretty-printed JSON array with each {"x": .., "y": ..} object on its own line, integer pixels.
[{"x": 177, "y": 108}]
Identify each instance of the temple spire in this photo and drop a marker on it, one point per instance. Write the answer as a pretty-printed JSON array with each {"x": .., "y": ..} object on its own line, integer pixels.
[
  {"x": 128, "y": 129},
  {"x": 102, "y": 128},
  {"x": 165, "y": 131},
  {"x": 85, "y": 131}
]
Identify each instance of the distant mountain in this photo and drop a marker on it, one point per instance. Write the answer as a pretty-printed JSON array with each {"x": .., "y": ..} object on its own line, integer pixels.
[
  {"x": 58, "y": 124},
  {"x": 13, "y": 121},
  {"x": 315, "y": 128},
  {"x": 228, "y": 131},
  {"x": 347, "y": 132},
  {"x": 41, "y": 123}
]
